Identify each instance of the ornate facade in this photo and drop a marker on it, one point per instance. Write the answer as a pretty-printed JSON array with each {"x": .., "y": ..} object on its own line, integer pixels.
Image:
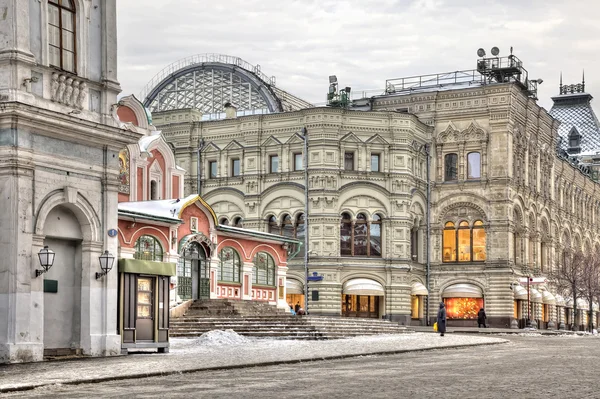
[{"x": 503, "y": 204}]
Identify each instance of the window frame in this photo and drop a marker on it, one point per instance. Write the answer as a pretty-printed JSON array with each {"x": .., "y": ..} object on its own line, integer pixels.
[
  {"x": 271, "y": 159},
  {"x": 236, "y": 256},
  {"x": 454, "y": 246},
  {"x": 61, "y": 28},
  {"x": 351, "y": 224},
  {"x": 269, "y": 269},
  {"x": 210, "y": 169},
  {"x": 349, "y": 160},
  {"x": 447, "y": 176},
  {"x": 295, "y": 160},
  {"x": 239, "y": 167},
  {"x": 155, "y": 244},
  {"x": 378, "y": 157},
  {"x": 469, "y": 177}
]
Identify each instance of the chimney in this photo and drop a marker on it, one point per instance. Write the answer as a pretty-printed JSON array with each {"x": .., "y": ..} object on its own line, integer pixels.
[{"x": 230, "y": 111}]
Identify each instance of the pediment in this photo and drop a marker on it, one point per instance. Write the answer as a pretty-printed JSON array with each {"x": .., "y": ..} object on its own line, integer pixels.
[
  {"x": 295, "y": 139},
  {"x": 211, "y": 147},
  {"x": 351, "y": 138},
  {"x": 233, "y": 145},
  {"x": 272, "y": 140},
  {"x": 377, "y": 139},
  {"x": 450, "y": 134}
]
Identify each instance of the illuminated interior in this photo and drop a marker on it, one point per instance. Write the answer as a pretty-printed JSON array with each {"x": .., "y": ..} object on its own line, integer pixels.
[
  {"x": 463, "y": 308},
  {"x": 293, "y": 299},
  {"x": 465, "y": 243},
  {"x": 414, "y": 306},
  {"x": 360, "y": 305}
]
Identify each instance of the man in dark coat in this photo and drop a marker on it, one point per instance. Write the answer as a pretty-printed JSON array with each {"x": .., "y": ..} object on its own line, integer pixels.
[
  {"x": 441, "y": 319},
  {"x": 481, "y": 318}
]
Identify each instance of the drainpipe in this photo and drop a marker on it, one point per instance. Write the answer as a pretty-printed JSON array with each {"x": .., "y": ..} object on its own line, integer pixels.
[
  {"x": 199, "y": 169},
  {"x": 306, "y": 230},
  {"x": 428, "y": 267}
]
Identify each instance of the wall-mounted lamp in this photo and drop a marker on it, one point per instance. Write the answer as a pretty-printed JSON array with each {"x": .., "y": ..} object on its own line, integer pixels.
[
  {"x": 106, "y": 264},
  {"x": 46, "y": 256}
]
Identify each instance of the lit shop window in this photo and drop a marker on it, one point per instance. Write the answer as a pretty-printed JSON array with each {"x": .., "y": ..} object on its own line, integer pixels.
[
  {"x": 465, "y": 243},
  {"x": 463, "y": 308}
]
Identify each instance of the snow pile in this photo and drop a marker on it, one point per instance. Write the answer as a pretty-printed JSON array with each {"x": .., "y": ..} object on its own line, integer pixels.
[{"x": 220, "y": 337}]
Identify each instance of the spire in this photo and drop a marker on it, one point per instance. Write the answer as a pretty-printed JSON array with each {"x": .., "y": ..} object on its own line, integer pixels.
[
  {"x": 583, "y": 81},
  {"x": 560, "y": 85}
]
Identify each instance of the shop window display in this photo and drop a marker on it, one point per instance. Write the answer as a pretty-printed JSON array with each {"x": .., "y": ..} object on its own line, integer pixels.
[
  {"x": 465, "y": 243},
  {"x": 463, "y": 308}
]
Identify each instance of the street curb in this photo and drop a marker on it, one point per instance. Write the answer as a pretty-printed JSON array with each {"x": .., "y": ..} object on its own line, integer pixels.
[{"x": 238, "y": 366}]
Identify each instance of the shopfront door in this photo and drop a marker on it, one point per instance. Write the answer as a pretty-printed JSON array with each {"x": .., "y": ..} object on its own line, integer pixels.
[
  {"x": 144, "y": 326},
  {"x": 204, "y": 279},
  {"x": 366, "y": 306}
]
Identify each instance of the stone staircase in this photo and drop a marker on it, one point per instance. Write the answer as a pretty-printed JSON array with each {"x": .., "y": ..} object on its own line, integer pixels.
[{"x": 265, "y": 321}]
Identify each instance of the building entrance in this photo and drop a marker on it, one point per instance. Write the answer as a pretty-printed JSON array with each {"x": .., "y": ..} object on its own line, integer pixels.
[{"x": 360, "y": 306}]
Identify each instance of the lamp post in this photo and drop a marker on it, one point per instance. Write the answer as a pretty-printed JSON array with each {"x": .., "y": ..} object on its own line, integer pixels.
[
  {"x": 46, "y": 256},
  {"x": 306, "y": 229},
  {"x": 426, "y": 149},
  {"x": 106, "y": 263}
]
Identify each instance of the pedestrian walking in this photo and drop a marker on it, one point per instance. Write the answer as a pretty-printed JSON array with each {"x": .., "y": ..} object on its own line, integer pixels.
[
  {"x": 441, "y": 319},
  {"x": 297, "y": 307},
  {"x": 481, "y": 318}
]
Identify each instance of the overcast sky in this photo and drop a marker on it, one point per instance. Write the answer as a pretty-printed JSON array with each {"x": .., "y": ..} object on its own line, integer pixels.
[{"x": 365, "y": 42}]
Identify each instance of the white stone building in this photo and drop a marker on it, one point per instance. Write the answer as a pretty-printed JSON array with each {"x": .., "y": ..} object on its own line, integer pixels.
[{"x": 59, "y": 144}]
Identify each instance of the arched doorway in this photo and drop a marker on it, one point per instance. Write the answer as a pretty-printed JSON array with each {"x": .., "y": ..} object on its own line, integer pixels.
[
  {"x": 294, "y": 292},
  {"x": 193, "y": 272},
  {"x": 62, "y": 283},
  {"x": 362, "y": 297}
]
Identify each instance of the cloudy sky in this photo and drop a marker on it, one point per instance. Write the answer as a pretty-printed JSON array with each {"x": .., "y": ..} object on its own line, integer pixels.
[{"x": 365, "y": 42}]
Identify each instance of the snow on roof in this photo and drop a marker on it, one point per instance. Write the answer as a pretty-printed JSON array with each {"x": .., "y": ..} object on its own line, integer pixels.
[
  {"x": 168, "y": 209},
  {"x": 146, "y": 141}
]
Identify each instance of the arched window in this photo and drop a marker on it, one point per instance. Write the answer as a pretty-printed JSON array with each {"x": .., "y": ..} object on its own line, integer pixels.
[
  {"x": 263, "y": 271},
  {"x": 237, "y": 222},
  {"x": 273, "y": 227},
  {"x": 300, "y": 229},
  {"x": 473, "y": 165},
  {"x": 361, "y": 238},
  {"x": 465, "y": 244},
  {"x": 148, "y": 248},
  {"x": 346, "y": 235},
  {"x": 451, "y": 167},
  {"x": 61, "y": 35},
  {"x": 224, "y": 222},
  {"x": 229, "y": 265}
]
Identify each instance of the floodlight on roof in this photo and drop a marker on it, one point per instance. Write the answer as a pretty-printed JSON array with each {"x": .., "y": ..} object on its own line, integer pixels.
[
  {"x": 333, "y": 79},
  {"x": 481, "y": 52},
  {"x": 495, "y": 51},
  {"x": 347, "y": 89}
]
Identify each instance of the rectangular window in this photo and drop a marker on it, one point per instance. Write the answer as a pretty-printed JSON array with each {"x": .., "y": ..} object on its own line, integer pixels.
[
  {"x": 473, "y": 165},
  {"x": 273, "y": 164},
  {"x": 298, "y": 161},
  {"x": 349, "y": 161},
  {"x": 235, "y": 167},
  {"x": 144, "y": 298},
  {"x": 451, "y": 167},
  {"x": 212, "y": 167},
  {"x": 375, "y": 163}
]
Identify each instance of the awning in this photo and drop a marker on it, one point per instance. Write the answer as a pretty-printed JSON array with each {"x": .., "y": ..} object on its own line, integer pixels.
[
  {"x": 535, "y": 295},
  {"x": 146, "y": 267},
  {"x": 418, "y": 289},
  {"x": 548, "y": 298},
  {"x": 519, "y": 292},
  {"x": 560, "y": 301},
  {"x": 294, "y": 287},
  {"x": 462, "y": 291},
  {"x": 363, "y": 286}
]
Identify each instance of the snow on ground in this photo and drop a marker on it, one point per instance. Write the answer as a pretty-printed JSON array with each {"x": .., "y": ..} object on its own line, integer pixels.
[{"x": 222, "y": 349}]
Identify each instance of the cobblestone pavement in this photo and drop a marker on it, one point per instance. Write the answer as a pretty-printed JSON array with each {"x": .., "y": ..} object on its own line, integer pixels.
[{"x": 527, "y": 367}]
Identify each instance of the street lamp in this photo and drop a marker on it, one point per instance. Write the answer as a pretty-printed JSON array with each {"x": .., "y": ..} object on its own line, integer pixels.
[
  {"x": 425, "y": 149},
  {"x": 106, "y": 263},
  {"x": 46, "y": 256}
]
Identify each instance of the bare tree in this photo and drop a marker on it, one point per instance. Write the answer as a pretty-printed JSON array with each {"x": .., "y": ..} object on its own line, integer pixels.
[
  {"x": 568, "y": 275},
  {"x": 589, "y": 287}
]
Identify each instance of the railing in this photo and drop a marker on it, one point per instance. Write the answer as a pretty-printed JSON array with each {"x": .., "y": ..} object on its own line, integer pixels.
[{"x": 414, "y": 83}]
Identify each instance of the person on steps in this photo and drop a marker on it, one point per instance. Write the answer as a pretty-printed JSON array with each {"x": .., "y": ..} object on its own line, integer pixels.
[
  {"x": 297, "y": 307},
  {"x": 441, "y": 319},
  {"x": 481, "y": 318}
]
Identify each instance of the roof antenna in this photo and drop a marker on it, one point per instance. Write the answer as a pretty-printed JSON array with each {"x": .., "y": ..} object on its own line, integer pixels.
[
  {"x": 560, "y": 86},
  {"x": 583, "y": 82}
]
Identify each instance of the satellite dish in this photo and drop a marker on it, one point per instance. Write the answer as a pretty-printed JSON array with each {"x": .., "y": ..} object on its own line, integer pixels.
[
  {"x": 481, "y": 52},
  {"x": 495, "y": 51}
]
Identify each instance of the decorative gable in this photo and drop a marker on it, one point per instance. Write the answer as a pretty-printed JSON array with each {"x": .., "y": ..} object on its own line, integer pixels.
[
  {"x": 351, "y": 138},
  {"x": 377, "y": 139},
  {"x": 210, "y": 147},
  {"x": 295, "y": 139},
  {"x": 271, "y": 141},
  {"x": 233, "y": 145},
  {"x": 452, "y": 135}
]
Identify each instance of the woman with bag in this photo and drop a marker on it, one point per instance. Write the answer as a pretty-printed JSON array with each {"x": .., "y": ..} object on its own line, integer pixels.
[{"x": 441, "y": 319}]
